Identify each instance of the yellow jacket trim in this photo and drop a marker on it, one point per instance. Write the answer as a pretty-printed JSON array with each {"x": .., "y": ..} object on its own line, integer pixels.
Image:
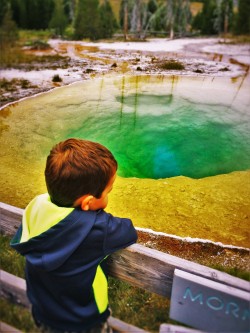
[
  {"x": 100, "y": 287},
  {"x": 50, "y": 215}
]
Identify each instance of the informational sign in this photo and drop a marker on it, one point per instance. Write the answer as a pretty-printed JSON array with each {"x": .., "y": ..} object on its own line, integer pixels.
[{"x": 208, "y": 305}]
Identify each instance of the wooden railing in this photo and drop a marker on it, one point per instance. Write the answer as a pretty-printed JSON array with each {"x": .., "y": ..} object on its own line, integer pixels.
[{"x": 138, "y": 265}]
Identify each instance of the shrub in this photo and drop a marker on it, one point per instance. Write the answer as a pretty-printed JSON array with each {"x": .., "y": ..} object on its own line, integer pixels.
[
  {"x": 56, "y": 78},
  {"x": 172, "y": 65},
  {"x": 39, "y": 45},
  {"x": 25, "y": 84}
]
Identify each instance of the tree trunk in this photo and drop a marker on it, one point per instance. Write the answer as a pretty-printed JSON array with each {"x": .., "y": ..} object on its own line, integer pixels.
[
  {"x": 125, "y": 21},
  {"x": 226, "y": 20},
  {"x": 170, "y": 17},
  {"x": 138, "y": 19}
]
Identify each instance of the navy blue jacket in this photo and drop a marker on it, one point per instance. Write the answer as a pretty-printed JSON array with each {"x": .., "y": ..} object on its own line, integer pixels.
[{"x": 65, "y": 264}]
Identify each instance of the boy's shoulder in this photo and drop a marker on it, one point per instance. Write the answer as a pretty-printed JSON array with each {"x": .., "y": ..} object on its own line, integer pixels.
[
  {"x": 120, "y": 232},
  {"x": 100, "y": 227}
]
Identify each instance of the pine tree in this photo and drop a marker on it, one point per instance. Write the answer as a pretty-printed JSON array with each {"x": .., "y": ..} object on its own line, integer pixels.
[
  {"x": 3, "y": 9},
  {"x": 152, "y": 6},
  {"x": 59, "y": 19},
  {"x": 243, "y": 18},
  {"x": 206, "y": 20},
  {"x": 32, "y": 14},
  {"x": 158, "y": 19},
  {"x": 107, "y": 21},
  {"x": 87, "y": 20},
  {"x": 19, "y": 13},
  {"x": 8, "y": 31},
  {"x": 183, "y": 20},
  {"x": 45, "y": 9}
]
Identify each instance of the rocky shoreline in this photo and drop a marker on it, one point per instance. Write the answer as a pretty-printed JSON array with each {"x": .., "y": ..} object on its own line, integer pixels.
[
  {"x": 77, "y": 61},
  {"x": 200, "y": 251}
]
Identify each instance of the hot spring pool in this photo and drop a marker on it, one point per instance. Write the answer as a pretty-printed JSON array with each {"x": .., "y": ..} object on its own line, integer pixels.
[{"x": 156, "y": 126}]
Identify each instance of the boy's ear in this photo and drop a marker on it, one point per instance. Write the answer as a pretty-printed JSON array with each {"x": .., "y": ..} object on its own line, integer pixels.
[{"x": 84, "y": 201}]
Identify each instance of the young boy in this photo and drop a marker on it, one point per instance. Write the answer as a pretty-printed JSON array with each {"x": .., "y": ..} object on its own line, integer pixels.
[{"x": 66, "y": 236}]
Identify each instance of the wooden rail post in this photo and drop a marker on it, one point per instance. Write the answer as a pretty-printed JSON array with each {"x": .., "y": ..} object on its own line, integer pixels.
[{"x": 141, "y": 266}]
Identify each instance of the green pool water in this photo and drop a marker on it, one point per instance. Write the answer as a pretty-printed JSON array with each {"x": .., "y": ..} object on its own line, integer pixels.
[
  {"x": 165, "y": 136},
  {"x": 157, "y": 127}
]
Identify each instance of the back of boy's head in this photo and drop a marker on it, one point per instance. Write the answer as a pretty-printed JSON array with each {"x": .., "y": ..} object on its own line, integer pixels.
[{"x": 77, "y": 167}]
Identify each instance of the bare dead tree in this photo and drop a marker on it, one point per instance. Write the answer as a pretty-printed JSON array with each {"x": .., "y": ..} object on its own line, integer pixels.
[
  {"x": 138, "y": 19},
  {"x": 125, "y": 20},
  {"x": 170, "y": 16}
]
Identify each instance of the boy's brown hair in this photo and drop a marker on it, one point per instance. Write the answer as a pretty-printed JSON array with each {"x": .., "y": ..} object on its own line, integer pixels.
[{"x": 76, "y": 167}]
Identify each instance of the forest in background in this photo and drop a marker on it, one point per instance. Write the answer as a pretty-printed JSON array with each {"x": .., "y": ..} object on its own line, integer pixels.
[{"x": 130, "y": 19}]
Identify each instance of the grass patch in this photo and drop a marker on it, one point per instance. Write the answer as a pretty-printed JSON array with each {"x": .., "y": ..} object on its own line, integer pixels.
[
  {"x": 171, "y": 65},
  {"x": 137, "y": 306},
  {"x": 32, "y": 35},
  {"x": 234, "y": 271},
  {"x": 11, "y": 261},
  {"x": 38, "y": 45},
  {"x": 15, "y": 84},
  {"x": 9, "y": 88},
  {"x": 16, "y": 58},
  {"x": 17, "y": 317},
  {"x": 11, "y": 56},
  {"x": 232, "y": 39}
]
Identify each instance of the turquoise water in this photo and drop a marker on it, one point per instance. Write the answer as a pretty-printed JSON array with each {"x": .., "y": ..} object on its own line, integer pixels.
[
  {"x": 183, "y": 138},
  {"x": 156, "y": 127}
]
